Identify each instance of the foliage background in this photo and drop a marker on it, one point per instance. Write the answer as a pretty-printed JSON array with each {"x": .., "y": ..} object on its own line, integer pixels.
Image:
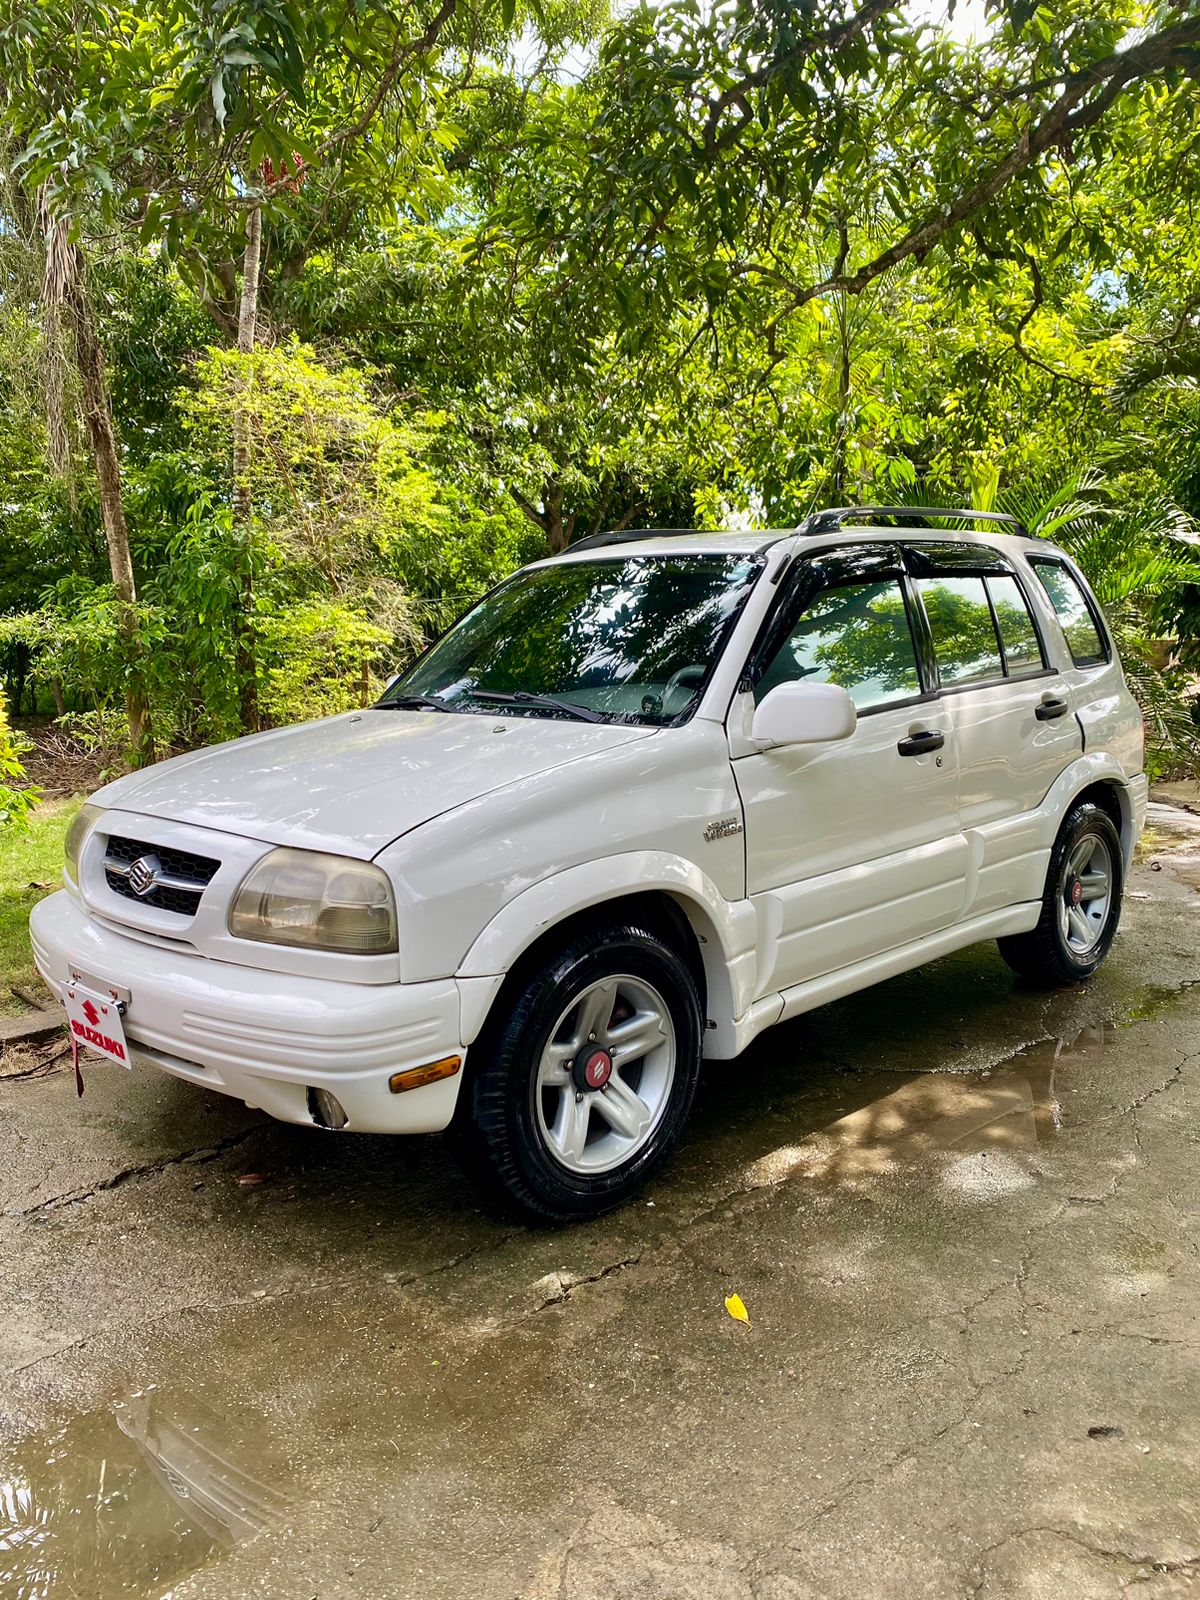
[{"x": 531, "y": 271}]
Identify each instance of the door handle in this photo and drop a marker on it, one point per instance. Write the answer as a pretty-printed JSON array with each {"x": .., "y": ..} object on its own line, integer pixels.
[
  {"x": 920, "y": 744},
  {"x": 1046, "y": 710}
]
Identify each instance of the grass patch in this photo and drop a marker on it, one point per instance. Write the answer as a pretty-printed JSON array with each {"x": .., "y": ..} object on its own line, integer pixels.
[{"x": 29, "y": 858}]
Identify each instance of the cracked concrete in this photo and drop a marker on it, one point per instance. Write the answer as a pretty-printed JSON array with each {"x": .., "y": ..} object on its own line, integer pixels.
[
  {"x": 963, "y": 1214},
  {"x": 146, "y": 1169}
]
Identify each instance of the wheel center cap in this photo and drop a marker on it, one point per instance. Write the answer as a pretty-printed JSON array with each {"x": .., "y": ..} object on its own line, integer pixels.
[
  {"x": 593, "y": 1068},
  {"x": 1075, "y": 893}
]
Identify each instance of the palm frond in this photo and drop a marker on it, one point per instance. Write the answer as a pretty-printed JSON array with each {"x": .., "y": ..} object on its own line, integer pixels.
[
  {"x": 61, "y": 267},
  {"x": 1135, "y": 556}
]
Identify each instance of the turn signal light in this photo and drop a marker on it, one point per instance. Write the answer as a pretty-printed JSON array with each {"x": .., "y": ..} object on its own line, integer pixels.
[{"x": 418, "y": 1077}]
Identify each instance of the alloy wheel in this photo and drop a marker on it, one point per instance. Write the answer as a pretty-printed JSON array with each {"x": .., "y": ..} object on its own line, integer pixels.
[
  {"x": 604, "y": 1078},
  {"x": 1085, "y": 894}
]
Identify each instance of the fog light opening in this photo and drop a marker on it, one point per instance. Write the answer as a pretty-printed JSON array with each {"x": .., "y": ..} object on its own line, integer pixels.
[{"x": 326, "y": 1109}]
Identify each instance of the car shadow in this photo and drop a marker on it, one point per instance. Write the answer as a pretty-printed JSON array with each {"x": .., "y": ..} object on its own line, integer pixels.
[{"x": 845, "y": 1091}]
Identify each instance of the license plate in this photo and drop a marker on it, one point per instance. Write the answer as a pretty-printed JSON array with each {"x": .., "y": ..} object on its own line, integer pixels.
[{"x": 95, "y": 1023}]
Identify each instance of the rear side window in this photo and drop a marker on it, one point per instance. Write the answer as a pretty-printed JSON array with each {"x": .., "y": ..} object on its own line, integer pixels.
[
  {"x": 964, "y": 634},
  {"x": 856, "y": 635},
  {"x": 1074, "y": 611},
  {"x": 1018, "y": 635}
]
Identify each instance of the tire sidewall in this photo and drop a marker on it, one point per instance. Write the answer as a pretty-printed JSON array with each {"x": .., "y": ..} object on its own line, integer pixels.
[
  {"x": 526, "y": 1029},
  {"x": 1085, "y": 819}
]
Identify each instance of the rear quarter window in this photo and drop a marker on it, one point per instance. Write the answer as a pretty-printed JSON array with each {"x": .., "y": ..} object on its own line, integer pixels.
[
  {"x": 1018, "y": 635},
  {"x": 1075, "y": 611}
]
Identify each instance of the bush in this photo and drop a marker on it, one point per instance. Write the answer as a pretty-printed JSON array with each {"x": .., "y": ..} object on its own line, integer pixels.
[
  {"x": 323, "y": 656},
  {"x": 15, "y": 802}
]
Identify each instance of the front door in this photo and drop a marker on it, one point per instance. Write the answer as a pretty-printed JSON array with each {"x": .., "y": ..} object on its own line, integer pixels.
[{"x": 852, "y": 848}]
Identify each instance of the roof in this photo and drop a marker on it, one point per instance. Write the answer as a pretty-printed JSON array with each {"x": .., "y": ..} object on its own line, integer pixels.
[
  {"x": 850, "y": 519},
  {"x": 681, "y": 541}
]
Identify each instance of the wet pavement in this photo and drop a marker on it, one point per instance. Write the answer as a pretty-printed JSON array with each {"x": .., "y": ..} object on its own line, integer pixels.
[{"x": 964, "y": 1216}]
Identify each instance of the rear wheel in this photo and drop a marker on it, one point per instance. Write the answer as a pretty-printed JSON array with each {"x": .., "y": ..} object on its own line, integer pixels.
[
  {"x": 1081, "y": 905},
  {"x": 583, "y": 1081}
]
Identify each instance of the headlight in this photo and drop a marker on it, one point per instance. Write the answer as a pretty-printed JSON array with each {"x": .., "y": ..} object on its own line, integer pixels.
[
  {"x": 81, "y": 825},
  {"x": 319, "y": 902}
]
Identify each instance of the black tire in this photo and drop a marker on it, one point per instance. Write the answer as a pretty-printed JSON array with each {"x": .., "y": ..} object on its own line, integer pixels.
[
  {"x": 1045, "y": 953},
  {"x": 497, "y": 1126}
]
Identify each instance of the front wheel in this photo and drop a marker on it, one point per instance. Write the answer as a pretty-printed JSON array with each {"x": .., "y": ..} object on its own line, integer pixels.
[
  {"x": 1081, "y": 905},
  {"x": 586, "y": 1075}
]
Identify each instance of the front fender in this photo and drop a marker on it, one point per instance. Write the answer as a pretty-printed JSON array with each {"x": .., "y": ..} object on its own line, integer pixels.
[{"x": 726, "y": 930}]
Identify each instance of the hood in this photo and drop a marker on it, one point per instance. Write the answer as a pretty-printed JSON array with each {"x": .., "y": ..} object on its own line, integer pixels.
[{"x": 351, "y": 784}]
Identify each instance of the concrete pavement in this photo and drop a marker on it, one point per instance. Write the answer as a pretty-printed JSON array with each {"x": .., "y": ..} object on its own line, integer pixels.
[{"x": 964, "y": 1217}]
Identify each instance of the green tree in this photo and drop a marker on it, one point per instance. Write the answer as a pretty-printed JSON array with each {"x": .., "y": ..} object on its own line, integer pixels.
[{"x": 195, "y": 126}]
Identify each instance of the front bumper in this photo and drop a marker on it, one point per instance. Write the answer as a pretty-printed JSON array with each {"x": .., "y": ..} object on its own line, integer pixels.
[{"x": 266, "y": 1037}]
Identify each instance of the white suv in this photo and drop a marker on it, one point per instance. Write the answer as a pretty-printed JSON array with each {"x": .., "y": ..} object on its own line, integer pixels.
[{"x": 646, "y": 799}]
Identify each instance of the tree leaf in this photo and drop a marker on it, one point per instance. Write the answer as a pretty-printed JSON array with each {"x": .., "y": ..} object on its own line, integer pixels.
[{"x": 737, "y": 1309}]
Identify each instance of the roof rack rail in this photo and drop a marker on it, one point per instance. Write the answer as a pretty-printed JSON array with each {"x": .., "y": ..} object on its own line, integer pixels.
[
  {"x": 839, "y": 516},
  {"x": 818, "y": 522}
]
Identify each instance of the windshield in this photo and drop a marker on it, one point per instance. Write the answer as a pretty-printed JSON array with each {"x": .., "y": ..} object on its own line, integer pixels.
[{"x": 627, "y": 639}]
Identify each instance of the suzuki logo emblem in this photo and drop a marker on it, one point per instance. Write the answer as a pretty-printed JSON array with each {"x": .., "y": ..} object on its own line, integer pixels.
[
  {"x": 91, "y": 1013},
  {"x": 143, "y": 875}
]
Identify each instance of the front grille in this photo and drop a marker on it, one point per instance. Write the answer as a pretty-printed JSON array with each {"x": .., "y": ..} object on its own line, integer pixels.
[{"x": 183, "y": 876}]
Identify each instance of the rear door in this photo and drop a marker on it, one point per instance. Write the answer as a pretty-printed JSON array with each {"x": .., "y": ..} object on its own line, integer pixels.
[
  {"x": 1010, "y": 709},
  {"x": 1107, "y": 713},
  {"x": 852, "y": 848}
]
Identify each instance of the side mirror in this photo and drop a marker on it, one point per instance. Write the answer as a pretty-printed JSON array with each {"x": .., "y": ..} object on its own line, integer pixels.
[{"x": 803, "y": 713}]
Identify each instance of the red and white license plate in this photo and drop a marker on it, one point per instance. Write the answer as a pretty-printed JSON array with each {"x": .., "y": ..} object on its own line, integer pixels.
[{"x": 95, "y": 1023}]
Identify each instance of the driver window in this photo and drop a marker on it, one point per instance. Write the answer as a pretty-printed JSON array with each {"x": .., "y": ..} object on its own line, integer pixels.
[{"x": 856, "y": 635}]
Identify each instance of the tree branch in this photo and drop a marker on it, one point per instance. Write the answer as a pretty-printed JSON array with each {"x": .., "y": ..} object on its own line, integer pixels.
[
  {"x": 635, "y": 508},
  {"x": 1072, "y": 111},
  {"x": 1035, "y": 305},
  {"x": 401, "y": 54},
  {"x": 535, "y": 516},
  {"x": 1038, "y": 300},
  {"x": 834, "y": 37}
]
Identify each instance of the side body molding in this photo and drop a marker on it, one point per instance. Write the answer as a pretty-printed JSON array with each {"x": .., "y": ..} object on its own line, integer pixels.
[
  {"x": 726, "y": 930},
  {"x": 1008, "y": 856}
]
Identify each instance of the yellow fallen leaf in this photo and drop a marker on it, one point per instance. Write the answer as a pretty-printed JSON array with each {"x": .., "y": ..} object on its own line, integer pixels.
[{"x": 736, "y": 1308}]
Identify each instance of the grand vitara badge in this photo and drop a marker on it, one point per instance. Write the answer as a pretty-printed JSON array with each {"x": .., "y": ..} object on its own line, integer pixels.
[{"x": 722, "y": 829}]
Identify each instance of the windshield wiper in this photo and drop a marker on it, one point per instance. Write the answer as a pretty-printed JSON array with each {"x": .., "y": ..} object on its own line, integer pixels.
[
  {"x": 520, "y": 697},
  {"x": 415, "y": 702}
]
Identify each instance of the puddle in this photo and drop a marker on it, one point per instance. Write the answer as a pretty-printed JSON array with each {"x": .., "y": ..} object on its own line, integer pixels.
[
  {"x": 322, "y": 1410},
  {"x": 1013, "y": 1107},
  {"x": 1168, "y": 827},
  {"x": 129, "y": 1500},
  {"x": 1157, "y": 999},
  {"x": 1172, "y": 840}
]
